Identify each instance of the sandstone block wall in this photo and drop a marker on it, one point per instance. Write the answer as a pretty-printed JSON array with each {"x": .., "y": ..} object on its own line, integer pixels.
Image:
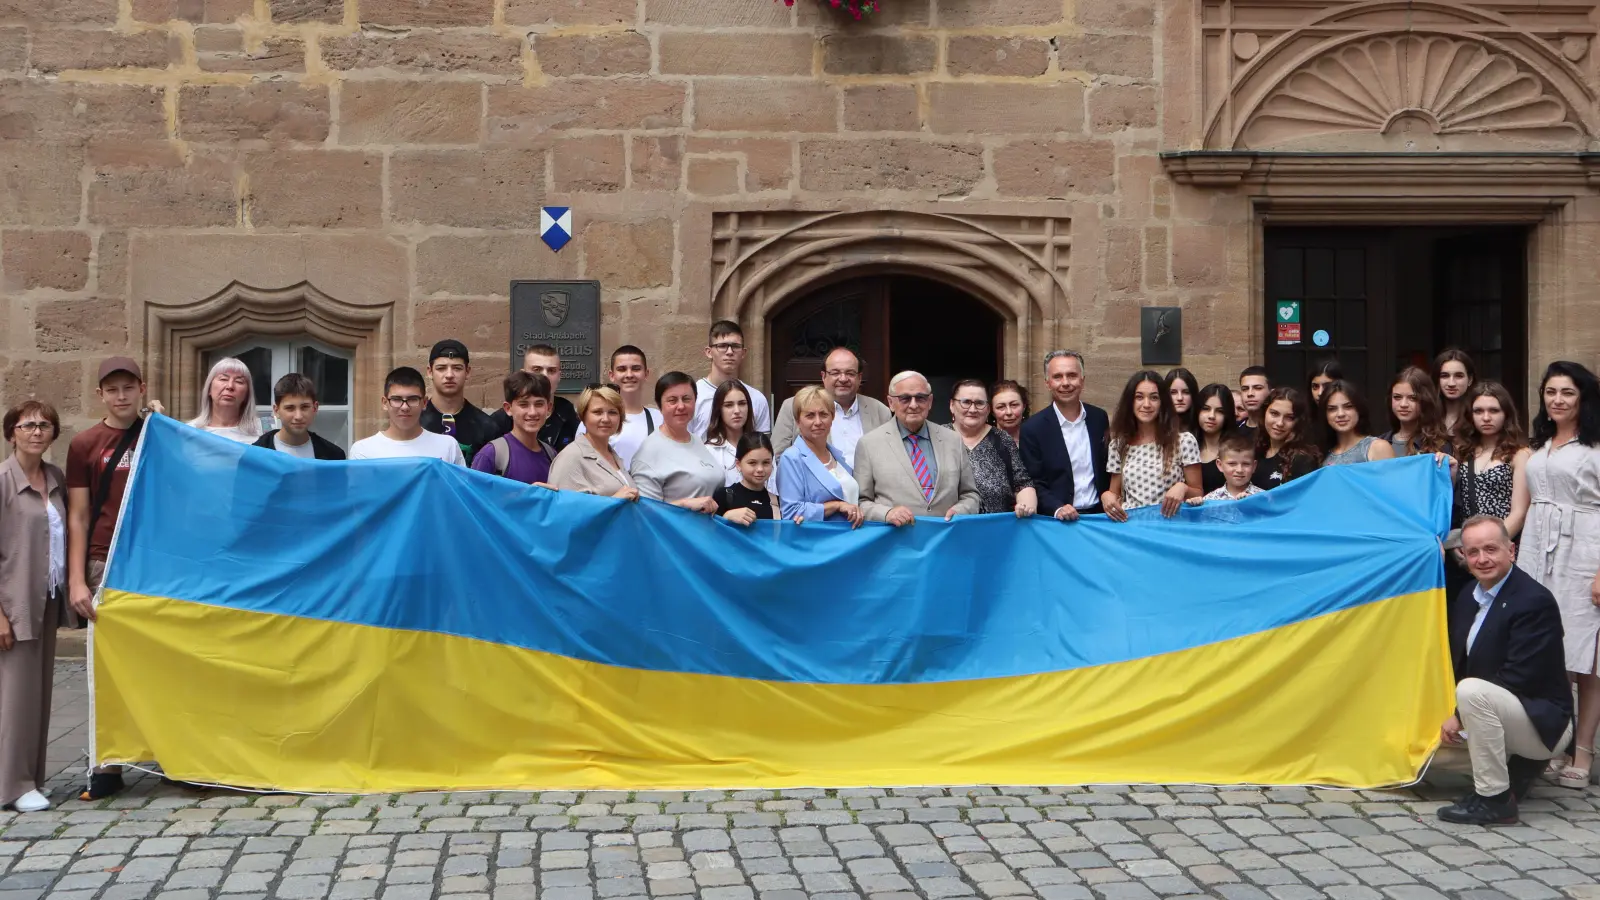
[{"x": 396, "y": 153}]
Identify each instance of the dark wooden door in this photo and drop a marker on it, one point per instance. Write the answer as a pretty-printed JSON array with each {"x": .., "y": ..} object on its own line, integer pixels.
[
  {"x": 1343, "y": 280},
  {"x": 1480, "y": 305},
  {"x": 852, "y": 314}
]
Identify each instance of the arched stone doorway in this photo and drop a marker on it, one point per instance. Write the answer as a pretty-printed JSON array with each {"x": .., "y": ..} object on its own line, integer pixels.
[
  {"x": 893, "y": 323},
  {"x": 991, "y": 271}
]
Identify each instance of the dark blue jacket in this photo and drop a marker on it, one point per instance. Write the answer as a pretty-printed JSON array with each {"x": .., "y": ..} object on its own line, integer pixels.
[
  {"x": 321, "y": 447},
  {"x": 1519, "y": 648},
  {"x": 1044, "y": 452}
]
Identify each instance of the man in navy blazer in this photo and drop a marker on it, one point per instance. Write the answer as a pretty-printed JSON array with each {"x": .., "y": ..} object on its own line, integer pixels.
[
  {"x": 1064, "y": 445},
  {"x": 1513, "y": 702}
]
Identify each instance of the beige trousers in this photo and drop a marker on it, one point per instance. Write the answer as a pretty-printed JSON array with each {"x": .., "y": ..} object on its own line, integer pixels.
[
  {"x": 27, "y": 675},
  {"x": 1497, "y": 727}
]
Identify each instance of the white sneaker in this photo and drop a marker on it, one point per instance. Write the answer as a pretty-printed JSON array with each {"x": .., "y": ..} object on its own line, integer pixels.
[{"x": 32, "y": 801}]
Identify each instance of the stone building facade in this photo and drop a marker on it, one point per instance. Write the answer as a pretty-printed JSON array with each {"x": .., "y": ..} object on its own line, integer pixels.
[{"x": 965, "y": 181}]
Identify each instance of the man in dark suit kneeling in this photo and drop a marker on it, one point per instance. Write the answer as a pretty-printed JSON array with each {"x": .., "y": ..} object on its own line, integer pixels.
[{"x": 1513, "y": 702}]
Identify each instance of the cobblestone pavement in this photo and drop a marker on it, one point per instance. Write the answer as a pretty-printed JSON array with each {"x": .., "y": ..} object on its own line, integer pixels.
[{"x": 1055, "y": 843}]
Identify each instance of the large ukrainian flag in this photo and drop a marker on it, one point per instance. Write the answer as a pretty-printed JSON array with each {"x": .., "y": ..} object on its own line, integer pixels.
[{"x": 404, "y": 624}]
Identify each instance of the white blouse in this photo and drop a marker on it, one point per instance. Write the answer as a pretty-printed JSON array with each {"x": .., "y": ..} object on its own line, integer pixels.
[
  {"x": 58, "y": 547},
  {"x": 847, "y": 482},
  {"x": 726, "y": 455}
]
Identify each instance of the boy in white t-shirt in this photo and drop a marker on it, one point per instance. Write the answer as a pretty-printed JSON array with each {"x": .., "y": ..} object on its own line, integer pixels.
[
  {"x": 294, "y": 405},
  {"x": 629, "y": 374},
  {"x": 404, "y": 393},
  {"x": 1236, "y": 457},
  {"x": 726, "y": 350}
]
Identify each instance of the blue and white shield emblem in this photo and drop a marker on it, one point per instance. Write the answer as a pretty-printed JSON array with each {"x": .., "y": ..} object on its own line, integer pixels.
[{"x": 555, "y": 226}]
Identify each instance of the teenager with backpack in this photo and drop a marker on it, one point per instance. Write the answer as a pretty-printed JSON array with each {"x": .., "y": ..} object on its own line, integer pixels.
[
  {"x": 519, "y": 454},
  {"x": 99, "y": 461}
]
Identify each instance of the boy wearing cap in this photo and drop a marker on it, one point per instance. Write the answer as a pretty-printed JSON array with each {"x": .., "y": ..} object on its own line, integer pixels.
[
  {"x": 448, "y": 411},
  {"x": 98, "y": 463}
]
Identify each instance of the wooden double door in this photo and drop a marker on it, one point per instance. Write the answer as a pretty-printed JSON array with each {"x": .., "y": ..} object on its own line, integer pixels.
[
  {"x": 892, "y": 323},
  {"x": 1379, "y": 299}
]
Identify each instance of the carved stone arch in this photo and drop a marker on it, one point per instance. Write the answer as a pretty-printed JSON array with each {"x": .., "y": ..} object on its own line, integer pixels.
[
  {"x": 178, "y": 334},
  {"x": 1389, "y": 76},
  {"x": 1017, "y": 265}
]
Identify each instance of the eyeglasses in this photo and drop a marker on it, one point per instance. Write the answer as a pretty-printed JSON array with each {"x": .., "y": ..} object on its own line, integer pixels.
[
  {"x": 404, "y": 401},
  {"x": 972, "y": 404},
  {"x": 596, "y": 385},
  {"x": 909, "y": 399},
  {"x": 727, "y": 348},
  {"x": 841, "y": 373},
  {"x": 34, "y": 426}
]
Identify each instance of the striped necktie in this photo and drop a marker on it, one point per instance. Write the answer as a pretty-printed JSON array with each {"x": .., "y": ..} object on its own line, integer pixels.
[{"x": 919, "y": 465}]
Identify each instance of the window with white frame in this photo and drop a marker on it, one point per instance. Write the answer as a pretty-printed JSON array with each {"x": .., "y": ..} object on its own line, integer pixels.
[{"x": 329, "y": 369}]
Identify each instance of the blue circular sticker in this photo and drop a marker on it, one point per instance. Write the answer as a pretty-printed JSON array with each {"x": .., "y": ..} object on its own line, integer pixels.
[{"x": 1320, "y": 338}]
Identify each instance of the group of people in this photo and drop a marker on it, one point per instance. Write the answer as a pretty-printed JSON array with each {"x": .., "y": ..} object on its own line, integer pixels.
[{"x": 831, "y": 454}]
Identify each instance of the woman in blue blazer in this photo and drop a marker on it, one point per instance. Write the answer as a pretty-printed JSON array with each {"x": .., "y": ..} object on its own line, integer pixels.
[{"x": 812, "y": 481}]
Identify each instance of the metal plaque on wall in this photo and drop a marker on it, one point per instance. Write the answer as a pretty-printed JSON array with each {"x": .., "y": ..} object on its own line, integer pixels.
[
  {"x": 1161, "y": 336},
  {"x": 565, "y": 315}
]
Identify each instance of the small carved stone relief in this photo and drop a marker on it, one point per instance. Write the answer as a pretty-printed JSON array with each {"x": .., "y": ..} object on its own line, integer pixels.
[{"x": 1246, "y": 44}]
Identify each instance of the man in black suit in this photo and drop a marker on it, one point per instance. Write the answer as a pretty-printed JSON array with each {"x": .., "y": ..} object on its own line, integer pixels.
[
  {"x": 1064, "y": 446},
  {"x": 1513, "y": 702}
]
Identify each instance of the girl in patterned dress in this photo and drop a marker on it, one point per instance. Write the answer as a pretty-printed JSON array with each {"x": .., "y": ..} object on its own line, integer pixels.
[
  {"x": 1491, "y": 473},
  {"x": 1493, "y": 454},
  {"x": 1152, "y": 460}
]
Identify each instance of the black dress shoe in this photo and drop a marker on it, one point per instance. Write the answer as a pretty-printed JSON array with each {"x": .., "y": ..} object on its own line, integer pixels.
[
  {"x": 102, "y": 785},
  {"x": 1500, "y": 809},
  {"x": 1524, "y": 774}
]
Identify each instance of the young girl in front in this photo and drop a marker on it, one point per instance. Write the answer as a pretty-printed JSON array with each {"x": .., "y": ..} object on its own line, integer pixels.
[{"x": 748, "y": 499}]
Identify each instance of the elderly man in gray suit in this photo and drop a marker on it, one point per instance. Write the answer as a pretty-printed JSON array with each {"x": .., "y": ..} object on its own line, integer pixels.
[
  {"x": 853, "y": 414},
  {"x": 911, "y": 467}
]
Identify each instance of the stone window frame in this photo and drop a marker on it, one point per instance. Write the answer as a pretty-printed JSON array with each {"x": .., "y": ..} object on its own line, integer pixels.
[{"x": 179, "y": 333}]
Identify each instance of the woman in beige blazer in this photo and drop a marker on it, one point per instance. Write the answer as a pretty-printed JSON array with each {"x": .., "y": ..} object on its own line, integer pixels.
[
  {"x": 33, "y": 573},
  {"x": 588, "y": 464}
]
